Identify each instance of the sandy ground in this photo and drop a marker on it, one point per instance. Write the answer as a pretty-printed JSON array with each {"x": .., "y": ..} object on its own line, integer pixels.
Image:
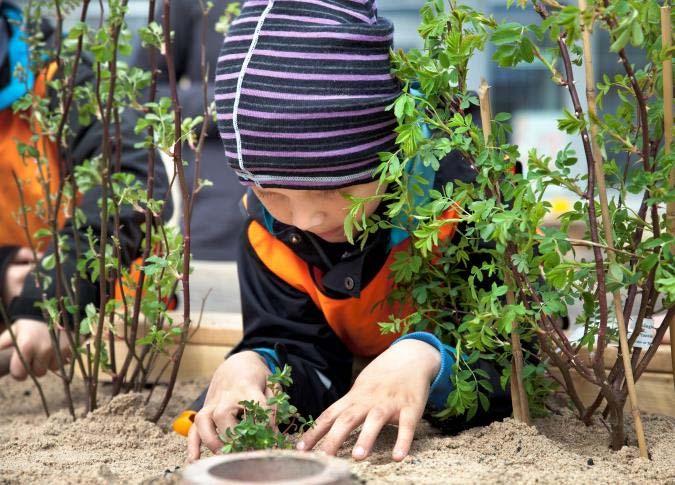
[{"x": 117, "y": 445}]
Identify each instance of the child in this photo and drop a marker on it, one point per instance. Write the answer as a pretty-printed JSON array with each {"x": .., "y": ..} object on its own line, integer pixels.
[{"x": 301, "y": 91}]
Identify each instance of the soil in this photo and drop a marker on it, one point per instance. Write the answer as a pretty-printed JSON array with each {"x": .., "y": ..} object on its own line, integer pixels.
[{"x": 117, "y": 445}]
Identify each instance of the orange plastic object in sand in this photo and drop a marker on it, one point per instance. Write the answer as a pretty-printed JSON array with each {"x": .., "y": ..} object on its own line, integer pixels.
[{"x": 183, "y": 422}]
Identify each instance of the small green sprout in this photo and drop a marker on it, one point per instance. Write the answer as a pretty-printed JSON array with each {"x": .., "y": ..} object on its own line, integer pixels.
[{"x": 270, "y": 426}]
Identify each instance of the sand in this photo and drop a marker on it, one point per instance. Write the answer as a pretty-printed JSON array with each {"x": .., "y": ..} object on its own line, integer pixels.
[{"x": 117, "y": 445}]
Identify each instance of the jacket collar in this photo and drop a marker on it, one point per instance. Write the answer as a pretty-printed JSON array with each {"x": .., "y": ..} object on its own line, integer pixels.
[{"x": 341, "y": 270}]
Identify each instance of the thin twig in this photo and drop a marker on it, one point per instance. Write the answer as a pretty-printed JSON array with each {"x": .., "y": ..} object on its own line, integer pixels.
[
  {"x": 186, "y": 196},
  {"x": 28, "y": 368},
  {"x": 521, "y": 411}
]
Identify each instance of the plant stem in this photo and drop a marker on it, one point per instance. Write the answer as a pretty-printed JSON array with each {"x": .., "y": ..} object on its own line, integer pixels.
[
  {"x": 52, "y": 334},
  {"x": 583, "y": 242},
  {"x": 607, "y": 224},
  {"x": 521, "y": 410},
  {"x": 186, "y": 196},
  {"x": 29, "y": 371},
  {"x": 152, "y": 154},
  {"x": 106, "y": 117}
]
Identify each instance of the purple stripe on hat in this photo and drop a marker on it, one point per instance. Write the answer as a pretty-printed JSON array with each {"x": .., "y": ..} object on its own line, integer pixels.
[
  {"x": 302, "y": 116},
  {"x": 317, "y": 169},
  {"x": 308, "y": 55},
  {"x": 293, "y": 96},
  {"x": 312, "y": 35},
  {"x": 310, "y": 135},
  {"x": 306, "y": 76},
  {"x": 265, "y": 115},
  {"x": 360, "y": 16},
  {"x": 297, "y": 18},
  {"x": 323, "y": 153}
]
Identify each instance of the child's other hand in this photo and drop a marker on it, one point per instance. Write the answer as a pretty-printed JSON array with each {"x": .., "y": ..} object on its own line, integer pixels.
[
  {"x": 393, "y": 389},
  {"x": 35, "y": 343},
  {"x": 242, "y": 377}
]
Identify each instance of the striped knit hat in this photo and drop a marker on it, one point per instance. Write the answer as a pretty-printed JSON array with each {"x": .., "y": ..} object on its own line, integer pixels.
[{"x": 301, "y": 91}]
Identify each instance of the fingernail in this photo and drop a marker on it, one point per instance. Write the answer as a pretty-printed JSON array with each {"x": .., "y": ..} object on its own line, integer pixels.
[
  {"x": 301, "y": 445},
  {"x": 359, "y": 452},
  {"x": 399, "y": 455}
]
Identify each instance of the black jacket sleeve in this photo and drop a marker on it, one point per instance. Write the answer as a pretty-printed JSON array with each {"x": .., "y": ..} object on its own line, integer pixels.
[
  {"x": 84, "y": 143},
  {"x": 279, "y": 316}
]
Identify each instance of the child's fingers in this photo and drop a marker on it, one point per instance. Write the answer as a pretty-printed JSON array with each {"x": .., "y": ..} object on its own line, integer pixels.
[
  {"x": 16, "y": 368},
  {"x": 23, "y": 255},
  {"x": 5, "y": 340},
  {"x": 39, "y": 366},
  {"x": 321, "y": 426},
  {"x": 194, "y": 444},
  {"x": 225, "y": 417},
  {"x": 407, "y": 422},
  {"x": 207, "y": 429},
  {"x": 347, "y": 422},
  {"x": 376, "y": 419}
]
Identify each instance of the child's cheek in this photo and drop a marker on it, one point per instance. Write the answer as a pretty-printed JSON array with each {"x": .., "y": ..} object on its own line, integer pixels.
[{"x": 279, "y": 210}]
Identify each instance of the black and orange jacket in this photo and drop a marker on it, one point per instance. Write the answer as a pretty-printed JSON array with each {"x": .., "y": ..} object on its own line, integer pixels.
[
  {"x": 84, "y": 142},
  {"x": 318, "y": 303}
]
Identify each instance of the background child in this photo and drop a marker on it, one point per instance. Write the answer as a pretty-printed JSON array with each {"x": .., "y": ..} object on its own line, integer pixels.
[
  {"x": 301, "y": 92},
  {"x": 18, "y": 288}
]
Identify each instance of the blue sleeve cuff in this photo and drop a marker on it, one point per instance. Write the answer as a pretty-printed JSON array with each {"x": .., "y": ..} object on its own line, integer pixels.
[
  {"x": 441, "y": 386},
  {"x": 269, "y": 356}
]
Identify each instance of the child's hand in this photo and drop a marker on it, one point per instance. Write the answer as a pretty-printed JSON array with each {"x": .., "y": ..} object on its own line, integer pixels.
[
  {"x": 242, "y": 377},
  {"x": 393, "y": 389},
  {"x": 35, "y": 343},
  {"x": 21, "y": 264}
]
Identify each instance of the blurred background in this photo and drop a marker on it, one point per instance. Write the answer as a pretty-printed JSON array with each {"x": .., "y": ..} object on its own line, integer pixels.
[{"x": 526, "y": 92}]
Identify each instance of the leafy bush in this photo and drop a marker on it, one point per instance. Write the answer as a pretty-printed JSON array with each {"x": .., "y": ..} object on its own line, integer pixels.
[{"x": 523, "y": 275}]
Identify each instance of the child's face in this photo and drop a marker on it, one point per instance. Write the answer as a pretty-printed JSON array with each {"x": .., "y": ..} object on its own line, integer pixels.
[{"x": 321, "y": 212}]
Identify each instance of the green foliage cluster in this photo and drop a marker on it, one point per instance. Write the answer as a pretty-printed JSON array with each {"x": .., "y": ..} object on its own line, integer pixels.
[
  {"x": 260, "y": 427},
  {"x": 503, "y": 244},
  {"x": 134, "y": 309}
]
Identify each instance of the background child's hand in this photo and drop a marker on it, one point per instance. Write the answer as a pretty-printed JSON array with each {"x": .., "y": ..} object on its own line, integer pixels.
[
  {"x": 393, "y": 389},
  {"x": 242, "y": 377},
  {"x": 21, "y": 264},
  {"x": 35, "y": 343}
]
